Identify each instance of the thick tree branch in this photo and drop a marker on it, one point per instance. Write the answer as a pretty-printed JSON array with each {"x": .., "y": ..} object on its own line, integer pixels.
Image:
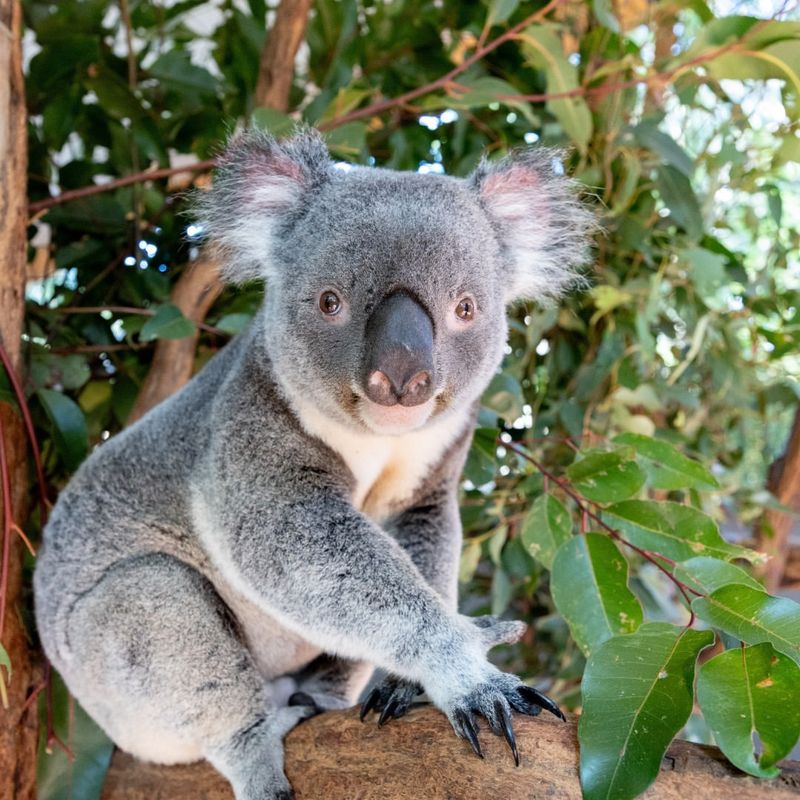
[{"x": 335, "y": 756}]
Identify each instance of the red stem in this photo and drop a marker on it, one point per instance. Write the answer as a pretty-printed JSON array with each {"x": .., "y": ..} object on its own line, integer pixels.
[
  {"x": 8, "y": 525},
  {"x": 30, "y": 430}
]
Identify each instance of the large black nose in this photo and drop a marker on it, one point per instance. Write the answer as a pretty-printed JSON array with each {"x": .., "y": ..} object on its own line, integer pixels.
[{"x": 399, "y": 356}]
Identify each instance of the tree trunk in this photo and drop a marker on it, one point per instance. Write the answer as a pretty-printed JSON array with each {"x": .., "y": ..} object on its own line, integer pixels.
[
  {"x": 418, "y": 757},
  {"x": 17, "y": 726},
  {"x": 774, "y": 530}
]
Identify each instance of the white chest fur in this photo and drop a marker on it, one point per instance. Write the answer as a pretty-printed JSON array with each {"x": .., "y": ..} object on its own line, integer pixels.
[{"x": 387, "y": 469}]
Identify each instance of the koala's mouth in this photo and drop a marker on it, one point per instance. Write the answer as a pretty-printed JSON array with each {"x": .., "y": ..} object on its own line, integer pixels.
[{"x": 396, "y": 419}]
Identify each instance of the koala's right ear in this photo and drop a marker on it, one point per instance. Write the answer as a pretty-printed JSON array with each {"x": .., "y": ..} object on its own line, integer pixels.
[{"x": 259, "y": 185}]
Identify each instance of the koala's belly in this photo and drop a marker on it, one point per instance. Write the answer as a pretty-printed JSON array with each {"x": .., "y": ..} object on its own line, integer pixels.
[{"x": 275, "y": 650}]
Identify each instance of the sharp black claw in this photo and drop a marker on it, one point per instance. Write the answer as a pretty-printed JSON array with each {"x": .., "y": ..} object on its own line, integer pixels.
[
  {"x": 504, "y": 721},
  {"x": 532, "y": 695},
  {"x": 469, "y": 731},
  {"x": 387, "y": 712},
  {"x": 370, "y": 703}
]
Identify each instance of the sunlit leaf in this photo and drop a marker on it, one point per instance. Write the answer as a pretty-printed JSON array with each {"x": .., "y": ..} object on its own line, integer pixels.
[
  {"x": 637, "y": 695},
  {"x": 752, "y": 691},
  {"x": 674, "y": 530},
  {"x": 706, "y": 574},
  {"x": 589, "y": 583},
  {"x": 606, "y": 477},
  {"x": 546, "y": 527},
  {"x": 753, "y": 616},
  {"x": 667, "y": 468},
  {"x": 167, "y": 323}
]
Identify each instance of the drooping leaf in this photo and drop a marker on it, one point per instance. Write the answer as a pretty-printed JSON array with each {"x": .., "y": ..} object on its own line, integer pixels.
[
  {"x": 753, "y": 616},
  {"x": 637, "y": 695},
  {"x": 274, "y": 121},
  {"x": 69, "y": 426},
  {"x": 606, "y": 477},
  {"x": 59, "y": 777},
  {"x": 543, "y": 48},
  {"x": 677, "y": 193},
  {"x": 748, "y": 691},
  {"x": 706, "y": 574},
  {"x": 589, "y": 584},
  {"x": 500, "y": 11},
  {"x": 546, "y": 527},
  {"x": 481, "y": 463},
  {"x": 167, "y": 323},
  {"x": 676, "y": 531},
  {"x": 504, "y": 395}
]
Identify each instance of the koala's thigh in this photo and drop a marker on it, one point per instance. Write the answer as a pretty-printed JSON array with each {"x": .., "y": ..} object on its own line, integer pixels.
[{"x": 157, "y": 661}]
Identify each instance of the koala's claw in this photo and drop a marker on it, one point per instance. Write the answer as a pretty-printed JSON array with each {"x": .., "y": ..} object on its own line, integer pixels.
[
  {"x": 494, "y": 701},
  {"x": 534, "y": 700},
  {"x": 393, "y": 698}
]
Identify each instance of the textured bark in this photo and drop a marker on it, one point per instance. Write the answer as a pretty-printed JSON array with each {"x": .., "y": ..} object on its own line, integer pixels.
[
  {"x": 773, "y": 534},
  {"x": 276, "y": 69},
  {"x": 17, "y": 727},
  {"x": 194, "y": 293},
  {"x": 336, "y": 757}
]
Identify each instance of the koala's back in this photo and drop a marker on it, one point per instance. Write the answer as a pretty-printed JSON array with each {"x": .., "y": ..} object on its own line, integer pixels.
[{"x": 130, "y": 498}]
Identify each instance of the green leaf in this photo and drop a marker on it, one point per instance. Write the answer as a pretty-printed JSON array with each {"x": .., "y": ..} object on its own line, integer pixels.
[
  {"x": 234, "y": 323},
  {"x": 667, "y": 468},
  {"x": 547, "y": 526},
  {"x": 167, "y": 323},
  {"x": 753, "y": 616},
  {"x": 175, "y": 68},
  {"x": 470, "y": 557},
  {"x": 662, "y": 144},
  {"x": 543, "y": 48},
  {"x": 500, "y": 11},
  {"x": 705, "y": 574},
  {"x": 606, "y": 477},
  {"x": 69, "y": 426},
  {"x": 679, "y": 197},
  {"x": 59, "y": 777},
  {"x": 589, "y": 584},
  {"x": 504, "y": 395},
  {"x": 637, "y": 694},
  {"x": 274, "y": 121},
  {"x": 349, "y": 140},
  {"x": 481, "y": 465},
  {"x": 676, "y": 531},
  {"x": 747, "y": 692}
]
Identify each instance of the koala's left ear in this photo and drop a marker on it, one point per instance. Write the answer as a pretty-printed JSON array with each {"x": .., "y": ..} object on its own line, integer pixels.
[
  {"x": 543, "y": 227},
  {"x": 260, "y": 184}
]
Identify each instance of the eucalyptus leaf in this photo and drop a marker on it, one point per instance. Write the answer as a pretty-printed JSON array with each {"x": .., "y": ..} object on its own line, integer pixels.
[
  {"x": 546, "y": 527},
  {"x": 753, "y": 616},
  {"x": 674, "y": 530},
  {"x": 637, "y": 694},
  {"x": 706, "y": 574},
  {"x": 667, "y": 468},
  {"x": 69, "y": 426},
  {"x": 747, "y": 692},
  {"x": 167, "y": 323},
  {"x": 606, "y": 477},
  {"x": 589, "y": 583}
]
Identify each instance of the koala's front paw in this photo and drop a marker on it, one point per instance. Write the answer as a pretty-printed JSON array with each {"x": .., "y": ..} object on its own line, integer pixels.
[
  {"x": 494, "y": 699},
  {"x": 392, "y": 697}
]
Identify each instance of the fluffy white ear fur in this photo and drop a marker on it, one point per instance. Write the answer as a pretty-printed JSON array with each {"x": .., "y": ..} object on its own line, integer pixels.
[
  {"x": 259, "y": 184},
  {"x": 542, "y": 225}
]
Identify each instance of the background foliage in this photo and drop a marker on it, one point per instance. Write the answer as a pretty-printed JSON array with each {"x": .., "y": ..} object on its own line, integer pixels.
[{"x": 680, "y": 119}]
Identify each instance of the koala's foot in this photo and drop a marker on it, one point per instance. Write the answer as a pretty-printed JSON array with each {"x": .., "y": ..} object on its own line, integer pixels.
[
  {"x": 494, "y": 700},
  {"x": 392, "y": 698}
]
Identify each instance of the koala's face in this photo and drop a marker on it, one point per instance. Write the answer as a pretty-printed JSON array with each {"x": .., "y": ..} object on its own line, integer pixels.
[{"x": 387, "y": 292}]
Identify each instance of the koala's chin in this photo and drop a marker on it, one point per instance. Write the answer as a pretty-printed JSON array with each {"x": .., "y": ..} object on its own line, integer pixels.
[{"x": 396, "y": 419}]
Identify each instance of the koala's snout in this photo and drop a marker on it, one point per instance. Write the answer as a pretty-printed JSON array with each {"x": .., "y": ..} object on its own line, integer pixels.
[{"x": 399, "y": 356}]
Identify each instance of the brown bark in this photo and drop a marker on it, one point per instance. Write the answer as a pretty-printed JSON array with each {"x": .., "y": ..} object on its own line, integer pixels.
[
  {"x": 194, "y": 293},
  {"x": 17, "y": 727},
  {"x": 197, "y": 289},
  {"x": 336, "y": 757},
  {"x": 276, "y": 69},
  {"x": 773, "y": 534}
]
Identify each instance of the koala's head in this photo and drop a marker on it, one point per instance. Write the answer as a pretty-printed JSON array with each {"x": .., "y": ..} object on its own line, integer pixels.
[{"x": 387, "y": 291}]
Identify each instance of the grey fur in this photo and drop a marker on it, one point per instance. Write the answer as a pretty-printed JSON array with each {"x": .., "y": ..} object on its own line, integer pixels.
[{"x": 224, "y": 542}]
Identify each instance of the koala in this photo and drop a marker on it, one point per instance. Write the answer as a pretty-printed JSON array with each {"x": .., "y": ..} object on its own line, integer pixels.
[{"x": 247, "y": 553}]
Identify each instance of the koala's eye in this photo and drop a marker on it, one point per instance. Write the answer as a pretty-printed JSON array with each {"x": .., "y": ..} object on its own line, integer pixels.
[
  {"x": 329, "y": 303},
  {"x": 465, "y": 309}
]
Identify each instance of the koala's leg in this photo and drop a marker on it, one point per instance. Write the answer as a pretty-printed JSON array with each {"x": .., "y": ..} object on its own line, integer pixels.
[
  {"x": 330, "y": 682},
  {"x": 156, "y": 659}
]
